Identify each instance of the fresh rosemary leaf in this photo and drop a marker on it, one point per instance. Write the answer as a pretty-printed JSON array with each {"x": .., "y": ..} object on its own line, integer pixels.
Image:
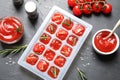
[
  {"x": 81, "y": 74},
  {"x": 52, "y": 28},
  {"x": 43, "y": 37},
  {"x": 14, "y": 50},
  {"x": 54, "y": 72}
]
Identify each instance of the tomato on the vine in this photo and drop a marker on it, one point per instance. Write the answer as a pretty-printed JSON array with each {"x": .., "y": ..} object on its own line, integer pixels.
[
  {"x": 77, "y": 11},
  {"x": 107, "y": 8},
  {"x": 72, "y": 3},
  {"x": 97, "y": 7},
  {"x": 87, "y": 9}
]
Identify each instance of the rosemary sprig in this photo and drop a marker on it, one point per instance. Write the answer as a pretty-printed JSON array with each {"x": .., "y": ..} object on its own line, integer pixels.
[
  {"x": 13, "y": 50},
  {"x": 74, "y": 41},
  {"x": 81, "y": 74},
  {"x": 54, "y": 71},
  {"x": 52, "y": 28},
  {"x": 43, "y": 37},
  {"x": 64, "y": 52}
]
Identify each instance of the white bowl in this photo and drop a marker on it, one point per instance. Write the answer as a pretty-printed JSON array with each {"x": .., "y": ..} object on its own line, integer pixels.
[{"x": 105, "y": 53}]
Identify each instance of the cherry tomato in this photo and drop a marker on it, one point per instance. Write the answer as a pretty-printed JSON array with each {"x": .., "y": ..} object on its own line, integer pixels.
[
  {"x": 78, "y": 30},
  {"x": 51, "y": 28},
  {"x": 72, "y": 40},
  {"x": 53, "y": 72},
  {"x": 72, "y": 3},
  {"x": 42, "y": 65},
  {"x": 97, "y": 7},
  {"x": 62, "y": 34},
  {"x": 32, "y": 59},
  {"x": 68, "y": 24},
  {"x": 55, "y": 44},
  {"x": 49, "y": 54},
  {"x": 45, "y": 38},
  {"x": 77, "y": 11},
  {"x": 60, "y": 61},
  {"x": 38, "y": 48},
  {"x": 57, "y": 18},
  {"x": 107, "y": 8},
  {"x": 66, "y": 50},
  {"x": 87, "y": 9}
]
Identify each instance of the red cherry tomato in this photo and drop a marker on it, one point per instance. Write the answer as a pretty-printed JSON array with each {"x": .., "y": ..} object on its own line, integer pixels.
[
  {"x": 77, "y": 11},
  {"x": 53, "y": 72},
  {"x": 78, "y": 30},
  {"x": 72, "y": 3},
  {"x": 97, "y": 7},
  {"x": 55, "y": 44},
  {"x": 32, "y": 59},
  {"x": 68, "y": 24},
  {"x": 66, "y": 50},
  {"x": 42, "y": 65},
  {"x": 87, "y": 9},
  {"x": 57, "y": 18},
  {"x": 49, "y": 54},
  {"x": 38, "y": 48},
  {"x": 107, "y": 8},
  {"x": 62, "y": 34},
  {"x": 51, "y": 28},
  {"x": 45, "y": 38},
  {"x": 60, "y": 61}
]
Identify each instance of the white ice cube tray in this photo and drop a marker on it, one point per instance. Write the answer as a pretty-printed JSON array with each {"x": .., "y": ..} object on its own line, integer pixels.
[{"x": 42, "y": 29}]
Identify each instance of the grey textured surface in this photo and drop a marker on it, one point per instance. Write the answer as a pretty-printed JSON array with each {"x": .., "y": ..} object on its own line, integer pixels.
[{"x": 95, "y": 66}]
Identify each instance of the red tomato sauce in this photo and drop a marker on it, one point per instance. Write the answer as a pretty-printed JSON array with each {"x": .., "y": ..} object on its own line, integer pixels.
[
  {"x": 105, "y": 45},
  {"x": 11, "y": 29}
]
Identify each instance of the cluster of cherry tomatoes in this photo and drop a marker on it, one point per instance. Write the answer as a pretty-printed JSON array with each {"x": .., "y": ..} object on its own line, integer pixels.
[{"x": 88, "y": 6}]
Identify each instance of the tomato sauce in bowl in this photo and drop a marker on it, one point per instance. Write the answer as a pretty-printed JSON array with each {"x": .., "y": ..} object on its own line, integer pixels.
[
  {"x": 105, "y": 45},
  {"x": 11, "y": 30}
]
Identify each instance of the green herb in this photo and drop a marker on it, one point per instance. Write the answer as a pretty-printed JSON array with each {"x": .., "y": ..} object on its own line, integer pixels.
[
  {"x": 74, "y": 41},
  {"x": 81, "y": 74},
  {"x": 18, "y": 29},
  {"x": 54, "y": 71},
  {"x": 43, "y": 37},
  {"x": 67, "y": 23},
  {"x": 14, "y": 50},
  {"x": 64, "y": 52},
  {"x": 52, "y": 28}
]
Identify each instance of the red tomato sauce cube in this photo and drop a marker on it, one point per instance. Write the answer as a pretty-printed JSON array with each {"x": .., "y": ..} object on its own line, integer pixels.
[
  {"x": 62, "y": 34},
  {"x": 55, "y": 44},
  {"x": 72, "y": 40},
  {"x": 32, "y": 59},
  {"x": 78, "y": 30},
  {"x": 51, "y": 28},
  {"x": 42, "y": 65},
  {"x": 66, "y": 50},
  {"x": 68, "y": 24},
  {"x": 60, "y": 61},
  {"x": 38, "y": 48},
  {"x": 49, "y": 54},
  {"x": 57, "y": 18},
  {"x": 45, "y": 38},
  {"x": 53, "y": 72}
]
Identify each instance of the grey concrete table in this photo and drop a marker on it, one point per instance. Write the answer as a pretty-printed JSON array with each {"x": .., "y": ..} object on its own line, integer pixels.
[{"x": 95, "y": 66}]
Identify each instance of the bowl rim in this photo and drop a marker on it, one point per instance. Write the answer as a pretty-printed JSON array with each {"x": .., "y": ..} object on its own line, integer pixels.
[{"x": 105, "y": 53}]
